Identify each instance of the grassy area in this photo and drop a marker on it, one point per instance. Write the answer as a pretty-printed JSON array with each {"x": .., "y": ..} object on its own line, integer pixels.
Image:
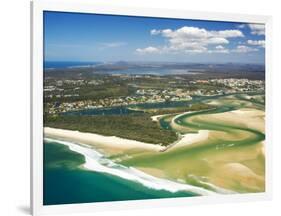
[{"x": 135, "y": 127}]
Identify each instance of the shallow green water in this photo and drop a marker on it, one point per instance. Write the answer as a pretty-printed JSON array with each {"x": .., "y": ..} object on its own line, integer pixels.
[
  {"x": 196, "y": 159},
  {"x": 66, "y": 183}
]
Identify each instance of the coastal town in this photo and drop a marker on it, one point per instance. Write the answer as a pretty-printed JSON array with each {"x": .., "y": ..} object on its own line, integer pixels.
[{"x": 65, "y": 95}]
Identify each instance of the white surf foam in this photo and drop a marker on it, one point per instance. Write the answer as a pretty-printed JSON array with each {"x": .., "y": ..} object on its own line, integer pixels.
[{"x": 97, "y": 162}]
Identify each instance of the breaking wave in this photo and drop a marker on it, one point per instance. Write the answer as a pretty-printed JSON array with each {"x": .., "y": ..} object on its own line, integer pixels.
[{"x": 95, "y": 161}]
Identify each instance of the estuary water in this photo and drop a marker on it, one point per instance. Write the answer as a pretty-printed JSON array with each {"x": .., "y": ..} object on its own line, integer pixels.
[{"x": 77, "y": 174}]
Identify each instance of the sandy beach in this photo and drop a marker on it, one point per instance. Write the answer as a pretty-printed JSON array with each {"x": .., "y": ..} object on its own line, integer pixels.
[
  {"x": 111, "y": 144},
  {"x": 157, "y": 117},
  {"x": 190, "y": 139},
  {"x": 222, "y": 166},
  {"x": 251, "y": 118}
]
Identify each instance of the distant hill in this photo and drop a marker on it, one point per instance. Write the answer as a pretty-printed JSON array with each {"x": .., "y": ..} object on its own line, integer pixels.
[{"x": 193, "y": 70}]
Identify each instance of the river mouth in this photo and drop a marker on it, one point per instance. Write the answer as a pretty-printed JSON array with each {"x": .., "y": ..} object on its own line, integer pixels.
[{"x": 229, "y": 159}]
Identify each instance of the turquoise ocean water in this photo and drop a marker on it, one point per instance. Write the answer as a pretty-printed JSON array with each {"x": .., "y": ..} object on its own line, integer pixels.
[{"x": 66, "y": 182}]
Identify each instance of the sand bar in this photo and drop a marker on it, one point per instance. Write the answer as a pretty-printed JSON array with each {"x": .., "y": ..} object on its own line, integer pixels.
[
  {"x": 157, "y": 117},
  {"x": 192, "y": 138}
]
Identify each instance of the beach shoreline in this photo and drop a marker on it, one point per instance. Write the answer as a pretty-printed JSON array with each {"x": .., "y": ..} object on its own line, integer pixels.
[
  {"x": 95, "y": 161},
  {"x": 115, "y": 143}
]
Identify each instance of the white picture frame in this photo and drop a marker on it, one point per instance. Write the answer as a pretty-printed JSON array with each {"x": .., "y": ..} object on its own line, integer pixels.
[{"x": 37, "y": 8}]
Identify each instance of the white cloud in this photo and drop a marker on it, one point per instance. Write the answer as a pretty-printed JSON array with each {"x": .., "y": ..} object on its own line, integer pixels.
[
  {"x": 241, "y": 26},
  {"x": 257, "y": 29},
  {"x": 191, "y": 40},
  {"x": 218, "y": 40},
  {"x": 260, "y": 43},
  {"x": 219, "y": 49},
  {"x": 148, "y": 50},
  {"x": 155, "y": 32},
  {"x": 228, "y": 33},
  {"x": 244, "y": 49},
  {"x": 113, "y": 44}
]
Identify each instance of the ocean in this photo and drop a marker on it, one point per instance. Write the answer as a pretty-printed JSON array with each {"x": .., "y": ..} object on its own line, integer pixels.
[
  {"x": 50, "y": 65},
  {"x": 66, "y": 181},
  {"x": 66, "y": 64}
]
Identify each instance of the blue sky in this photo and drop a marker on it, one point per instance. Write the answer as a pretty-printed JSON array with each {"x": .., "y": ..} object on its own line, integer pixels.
[{"x": 90, "y": 37}]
